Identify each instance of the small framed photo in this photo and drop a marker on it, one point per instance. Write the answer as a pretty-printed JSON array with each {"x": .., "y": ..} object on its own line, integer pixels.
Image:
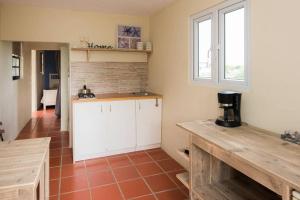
[{"x": 128, "y": 36}]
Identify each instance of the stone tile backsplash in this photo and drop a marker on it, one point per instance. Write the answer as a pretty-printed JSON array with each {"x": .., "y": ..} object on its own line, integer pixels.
[{"x": 109, "y": 77}]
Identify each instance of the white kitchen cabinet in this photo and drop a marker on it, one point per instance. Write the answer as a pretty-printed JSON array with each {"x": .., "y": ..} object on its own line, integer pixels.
[
  {"x": 90, "y": 125},
  {"x": 148, "y": 122},
  {"x": 113, "y": 127},
  {"x": 121, "y": 131}
]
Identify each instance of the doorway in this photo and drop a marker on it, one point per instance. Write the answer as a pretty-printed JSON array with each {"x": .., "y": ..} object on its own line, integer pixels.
[{"x": 49, "y": 77}]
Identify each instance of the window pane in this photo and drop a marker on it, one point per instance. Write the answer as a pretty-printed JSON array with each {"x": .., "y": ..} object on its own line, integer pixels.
[
  {"x": 205, "y": 49},
  {"x": 235, "y": 45}
]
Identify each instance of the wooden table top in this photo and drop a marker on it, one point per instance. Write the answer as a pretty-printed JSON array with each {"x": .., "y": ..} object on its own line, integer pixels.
[
  {"x": 117, "y": 97},
  {"x": 259, "y": 148},
  {"x": 21, "y": 161}
]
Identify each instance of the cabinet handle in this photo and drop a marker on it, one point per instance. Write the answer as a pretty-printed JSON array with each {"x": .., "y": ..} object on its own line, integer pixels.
[
  {"x": 110, "y": 108},
  {"x": 101, "y": 108},
  {"x": 139, "y": 105},
  {"x": 156, "y": 104}
]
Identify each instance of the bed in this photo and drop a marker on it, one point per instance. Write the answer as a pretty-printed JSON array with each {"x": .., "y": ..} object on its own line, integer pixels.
[{"x": 49, "y": 96}]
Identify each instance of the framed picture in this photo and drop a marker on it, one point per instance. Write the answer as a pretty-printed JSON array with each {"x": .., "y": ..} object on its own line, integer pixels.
[
  {"x": 128, "y": 36},
  {"x": 16, "y": 68}
]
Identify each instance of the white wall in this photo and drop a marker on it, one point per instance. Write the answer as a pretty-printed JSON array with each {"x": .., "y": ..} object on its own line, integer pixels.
[
  {"x": 64, "y": 73},
  {"x": 60, "y": 25},
  {"x": 272, "y": 101},
  {"x": 15, "y": 109},
  {"x": 8, "y": 99}
]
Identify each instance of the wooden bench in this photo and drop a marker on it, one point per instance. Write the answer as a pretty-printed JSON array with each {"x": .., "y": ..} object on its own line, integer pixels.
[
  {"x": 24, "y": 169},
  {"x": 241, "y": 163}
]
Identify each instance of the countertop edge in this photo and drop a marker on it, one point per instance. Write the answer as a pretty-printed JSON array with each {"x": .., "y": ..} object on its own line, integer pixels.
[{"x": 106, "y": 99}]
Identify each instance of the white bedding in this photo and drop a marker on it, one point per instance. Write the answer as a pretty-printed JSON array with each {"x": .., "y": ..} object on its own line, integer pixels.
[{"x": 49, "y": 98}]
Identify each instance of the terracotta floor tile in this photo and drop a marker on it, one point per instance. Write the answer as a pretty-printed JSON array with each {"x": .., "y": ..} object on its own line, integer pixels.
[
  {"x": 160, "y": 183},
  {"x": 141, "y": 157},
  {"x": 66, "y": 160},
  {"x": 118, "y": 161},
  {"x": 53, "y": 198},
  {"x": 55, "y": 145},
  {"x": 54, "y": 133},
  {"x": 171, "y": 195},
  {"x": 81, "y": 195},
  {"x": 67, "y": 151},
  {"x": 55, "y": 153},
  {"x": 110, "y": 192},
  {"x": 185, "y": 191},
  {"x": 96, "y": 164},
  {"x": 56, "y": 128},
  {"x": 125, "y": 173},
  {"x": 56, "y": 139},
  {"x": 158, "y": 155},
  {"x": 155, "y": 149},
  {"x": 73, "y": 169},
  {"x": 149, "y": 197},
  {"x": 65, "y": 143},
  {"x": 54, "y": 184},
  {"x": 54, "y": 173},
  {"x": 65, "y": 135},
  {"x": 74, "y": 183},
  {"x": 135, "y": 152},
  {"x": 148, "y": 169},
  {"x": 134, "y": 188},
  {"x": 100, "y": 178},
  {"x": 169, "y": 165},
  {"x": 55, "y": 161},
  {"x": 76, "y": 178}
]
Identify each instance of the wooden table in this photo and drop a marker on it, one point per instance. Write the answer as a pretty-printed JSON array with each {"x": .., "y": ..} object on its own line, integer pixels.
[
  {"x": 240, "y": 163},
  {"x": 24, "y": 169}
]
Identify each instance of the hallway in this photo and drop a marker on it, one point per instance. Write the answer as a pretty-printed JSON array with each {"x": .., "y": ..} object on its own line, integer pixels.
[{"x": 143, "y": 175}]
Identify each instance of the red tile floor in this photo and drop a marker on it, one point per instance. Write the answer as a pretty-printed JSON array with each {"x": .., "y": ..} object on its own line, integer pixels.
[{"x": 143, "y": 175}]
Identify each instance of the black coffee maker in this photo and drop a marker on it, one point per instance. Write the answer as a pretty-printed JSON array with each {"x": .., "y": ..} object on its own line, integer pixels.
[{"x": 230, "y": 102}]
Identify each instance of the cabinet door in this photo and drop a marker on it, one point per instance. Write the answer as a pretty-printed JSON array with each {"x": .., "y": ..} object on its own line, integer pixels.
[
  {"x": 148, "y": 119},
  {"x": 89, "y": 130},
  {"x": 122, "y": 133}
]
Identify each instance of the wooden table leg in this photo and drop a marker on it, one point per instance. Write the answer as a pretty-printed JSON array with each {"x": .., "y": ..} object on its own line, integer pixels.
[
  {"x": 46, "y": 180},
  {"x": 287, "y": 193},
  {"x": 27, "y": 194},
  {"x": 42, "y": 185}
]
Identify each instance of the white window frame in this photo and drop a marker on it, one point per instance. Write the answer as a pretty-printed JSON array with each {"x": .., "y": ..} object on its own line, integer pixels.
[
  {"x": 198, "y": 19},
  {"x": 216, "y": 13}
]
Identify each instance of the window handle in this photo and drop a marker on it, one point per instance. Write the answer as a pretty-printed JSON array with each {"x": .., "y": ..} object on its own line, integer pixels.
[{"x": 156, "y": 104}]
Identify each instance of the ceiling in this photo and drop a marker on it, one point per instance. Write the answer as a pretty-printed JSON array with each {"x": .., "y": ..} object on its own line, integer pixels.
[{"x": 127, "y": 7}]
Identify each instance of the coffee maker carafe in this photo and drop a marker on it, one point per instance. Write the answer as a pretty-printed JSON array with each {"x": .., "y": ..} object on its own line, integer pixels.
[{"x": 230, "y": 103}]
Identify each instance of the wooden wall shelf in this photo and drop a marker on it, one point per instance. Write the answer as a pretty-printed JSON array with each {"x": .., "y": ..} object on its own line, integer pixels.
[
  {"x": 112, "y": 50},
  {"x": 89, "y": 50}
]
